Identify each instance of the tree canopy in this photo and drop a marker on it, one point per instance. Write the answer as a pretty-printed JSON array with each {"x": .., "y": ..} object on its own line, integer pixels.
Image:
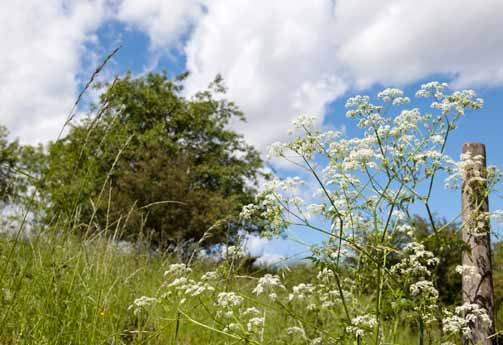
[{"x": 153, "y": 164}]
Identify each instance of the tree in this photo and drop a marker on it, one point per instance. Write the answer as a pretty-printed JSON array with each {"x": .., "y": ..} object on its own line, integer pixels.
[
  {"x": 152, "y": 164},
  {"x": 17, "y": 162},
  {"x": 8, "y": 160}
]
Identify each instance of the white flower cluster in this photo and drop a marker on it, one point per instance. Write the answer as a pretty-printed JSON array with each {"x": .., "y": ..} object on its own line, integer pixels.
[
  {"x": 267, "y": 284},
  {"x": 393, "y": 95},
  {"x": 432, "y": 89},
  {"x": 301, "y": 291},
  {"x": 465, "y": 318},
  {"x": 297, "y": 332},
  {"x": 468, "y": 272},
  {"x": 178, "y": 270},
  {"x": 255, "y": 324},
  {"x": 460, "y": 170},
  {"x": 365, "y": 188},
  {"x": 234, "y": 317},
  {"x": 209, "y": 276},
  {"x": 232, "y": 252},
  {"x": 183, "y": 285},
  {"x": 417, "y": 261},
  {"x": 190, "y": 288},
  {"x": 424, "y": 288},
  {"x": 324, "y": 295},
  {"x": 141, "y": 303},
  {"x": 362, "y": 324},
  {"x": 304, "y": 122},
  {"x": 228, "y": 300}
]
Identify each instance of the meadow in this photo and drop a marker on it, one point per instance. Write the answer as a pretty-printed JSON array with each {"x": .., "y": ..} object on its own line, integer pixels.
[
  {"x": 57, "y": 289},
  {"x": 382, "y": 275}
]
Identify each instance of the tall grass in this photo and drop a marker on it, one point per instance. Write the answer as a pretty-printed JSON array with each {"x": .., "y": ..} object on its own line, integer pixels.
[{"x": 57, "y": 289}]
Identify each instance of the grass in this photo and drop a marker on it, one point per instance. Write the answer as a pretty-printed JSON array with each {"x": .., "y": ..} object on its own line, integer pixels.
[{"x": 57, "y": 289}]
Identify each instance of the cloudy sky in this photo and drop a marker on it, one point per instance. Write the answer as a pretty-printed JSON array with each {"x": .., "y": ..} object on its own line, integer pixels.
[{"x": 279, "y": 58}]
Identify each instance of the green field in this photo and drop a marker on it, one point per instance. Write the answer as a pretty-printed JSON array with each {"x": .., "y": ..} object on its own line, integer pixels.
[{"x": 59, "y": 290}]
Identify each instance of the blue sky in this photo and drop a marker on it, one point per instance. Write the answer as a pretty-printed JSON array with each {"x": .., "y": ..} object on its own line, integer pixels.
[{"x": 279, "y": 59}]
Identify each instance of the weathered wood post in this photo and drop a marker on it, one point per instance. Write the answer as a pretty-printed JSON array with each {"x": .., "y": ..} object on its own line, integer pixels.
[{"x": 477, "y": 275}]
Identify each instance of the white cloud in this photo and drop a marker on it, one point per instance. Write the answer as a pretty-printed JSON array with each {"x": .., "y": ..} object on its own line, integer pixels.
[
  {"x": 268, "y": 259},
  {"x": 260, "y": 247},
  {"x": 164, "y": 21},
  {"x": 42, "y": 44},
  {"x": 273, "y": 57},
  {"x": 254, "y": 244},
  {"x": 282, "y": 58},
  {"x": 44, "y": 53},
  {"x": 279, "y": 58},
  {"x": 408, "y": 40}
]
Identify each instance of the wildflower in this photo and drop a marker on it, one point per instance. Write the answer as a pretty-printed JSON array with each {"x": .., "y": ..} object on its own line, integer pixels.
[
  {"x": 437, "y": 139},
  {"x": 198, "y": 288},
  {"x": 247, "y": 211},
  {"x": 251, "y": 311},
  {"x": 361, "y": 324},
  {"x": 232, "y": 327},
  {"x": 417, "y": 261},
  {"x": 296, "y": 331},
  {"x": 325, "y": 275},
  {"x": 177, "y": 270},
  {"x": 144, "y": 301},
  {"x": 255, "y": 324},
  {"x": 267, "y": 283},
  {"x": 423, "y": 287},
  {"x": 394, "y": 96},
  {"x": 228, "y": 300},
  {"x": 468, "y": 272},
  {"x": 231, "y": 252},
  {"x": 276, "y": 149},
  {"x": 466, "y": 315},
  {"x": 141, "y": 303},
  {"x": 300, "y": 291},
  {"x": 455, "y": 324},
  {"x": 304, "y": 121},
  {"x": 210, "y": 275}
]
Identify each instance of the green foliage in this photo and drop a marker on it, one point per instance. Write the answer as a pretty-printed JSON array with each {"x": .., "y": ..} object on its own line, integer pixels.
[
  {"x": 9, "y": 159},
  {"x": 153, "y": 165},
  {"x": 59, "y": 290},
  {"x": 17, "y": 163},
  {"x": 446, "y": 244}
]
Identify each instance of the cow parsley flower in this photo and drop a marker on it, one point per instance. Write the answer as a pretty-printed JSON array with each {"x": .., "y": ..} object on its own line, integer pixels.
[
  {"x": 255, "y": 324},
  {"x": 468, "y": 272},
  {"x": 465, "y": 317},
  {"x": 210, "y": 275},
  {"x": 361, "y": 324},
  {"x": 296, "y": 331},
  {"x": 178, "y": 270},
  {"x": 300, "y": 291},
  {"x": 228, "y": 300},
  {"x": 268, "y": 283},
  {"x": 141, "y": 303},
  {"x": 424, "y": 288}
]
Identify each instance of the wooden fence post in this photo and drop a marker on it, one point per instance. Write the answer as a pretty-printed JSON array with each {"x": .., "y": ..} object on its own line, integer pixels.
[{"x": 477, "y": 275}]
